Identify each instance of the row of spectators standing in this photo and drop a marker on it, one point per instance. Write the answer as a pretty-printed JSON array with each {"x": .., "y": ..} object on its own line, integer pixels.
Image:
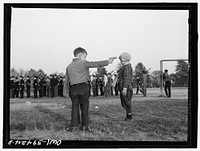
[
  {"x": 42, "y": 86},
  {"x": 53, "y": 86},
  {"x": 103, "y": 85}
]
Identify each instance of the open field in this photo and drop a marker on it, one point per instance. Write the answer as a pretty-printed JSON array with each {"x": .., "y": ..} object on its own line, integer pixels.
[{"x": 154, "y": 118}]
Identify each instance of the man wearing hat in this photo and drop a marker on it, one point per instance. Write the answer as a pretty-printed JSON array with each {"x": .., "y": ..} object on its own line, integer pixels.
[
  {"x": 28, "y": 86},
  {"x": 124, "y": 84}
]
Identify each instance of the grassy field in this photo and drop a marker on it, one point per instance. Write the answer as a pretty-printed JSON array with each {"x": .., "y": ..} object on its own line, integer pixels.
[{"x": 154, "y": 118}]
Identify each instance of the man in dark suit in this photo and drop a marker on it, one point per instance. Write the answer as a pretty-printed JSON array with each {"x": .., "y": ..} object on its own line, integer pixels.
[
  {"x": 21, "y": 87},
  {"x": 52, "y": 86},
  {"x": 16, "y": 87},
  {"x": 101, "y": 86},
  {"x": 60, "y": 87},
  {"x": 28, "y": 86},
  {"x": 12, "y": 83},
  {"x": 41, "y": 87},
  {"x": 35, "y": 86}
]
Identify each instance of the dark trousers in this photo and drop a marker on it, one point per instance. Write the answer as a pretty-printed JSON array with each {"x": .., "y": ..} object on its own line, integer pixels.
[
  {"x": 44, "y": 91},
  {"x": 168, "y": 88},
  {"x": 94, "y": 91},
  {"x": 11, "y": 93},
  {"x": 60, "y": 91},
  {"x": 52, "y": 92},
  {"x": 21, "y": 93},
  {"x": 35, "y": 93},
  {"x": 47, "y": 91},
  {"x": 56, "y": 91},
  {"x": 16, "y": 93},
  {"x": 79, "y": 94},
  {"x": 28, "y": 92},
  {"x": 126, "y": 101},
  {"x": 116, "y": 90},
  {"x": 101, "y": 90},
  {"x": 139, "y": 88}
]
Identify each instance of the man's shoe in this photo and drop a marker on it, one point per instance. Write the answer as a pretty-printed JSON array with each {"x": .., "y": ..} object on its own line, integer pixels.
[
  {"x": 71, "y": 129},
  {"x": 128, "y": 117},
  {"x": 86, "y": 128}
]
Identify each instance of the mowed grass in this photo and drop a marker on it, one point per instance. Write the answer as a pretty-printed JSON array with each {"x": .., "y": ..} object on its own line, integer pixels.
[{"x": 154, "y": 118}]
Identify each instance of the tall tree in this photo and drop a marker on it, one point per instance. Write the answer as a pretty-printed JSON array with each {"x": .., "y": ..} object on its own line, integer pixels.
[
  {"x": 139, "y": 68},
  {"x": 182, "y": 73},
  {"x": 40, "y": 72},
  {"x": 155, "y": 78},
  {"x": 14, "y": 72},
  {"x": 23, "y": 72}
]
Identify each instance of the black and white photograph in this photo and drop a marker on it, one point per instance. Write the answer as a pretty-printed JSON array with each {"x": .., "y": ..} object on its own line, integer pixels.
[{"x": 80, "y": 75}]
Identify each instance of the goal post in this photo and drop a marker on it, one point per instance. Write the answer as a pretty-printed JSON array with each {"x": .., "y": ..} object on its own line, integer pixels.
[{"x": 161, "y": 71}]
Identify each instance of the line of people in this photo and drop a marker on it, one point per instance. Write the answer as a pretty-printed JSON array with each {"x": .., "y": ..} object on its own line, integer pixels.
[
  {"x": 41, "y": 86},
  {"x": 103, "y": 85}
]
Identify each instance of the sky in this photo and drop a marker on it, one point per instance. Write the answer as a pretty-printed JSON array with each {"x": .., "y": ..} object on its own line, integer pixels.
[{"x": 46, "y": 38}]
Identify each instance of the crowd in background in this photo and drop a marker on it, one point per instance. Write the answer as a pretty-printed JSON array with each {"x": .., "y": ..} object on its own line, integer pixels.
[
  {"x": 54, "y": 86},
  {"x": 42, "y": 86}
]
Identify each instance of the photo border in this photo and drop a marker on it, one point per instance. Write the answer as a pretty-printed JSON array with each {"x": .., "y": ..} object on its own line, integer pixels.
[{"x": 193, "y": 74}]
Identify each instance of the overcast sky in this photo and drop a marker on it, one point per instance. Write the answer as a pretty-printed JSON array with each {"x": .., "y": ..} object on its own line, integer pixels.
[{"x": 45, "y": 38}]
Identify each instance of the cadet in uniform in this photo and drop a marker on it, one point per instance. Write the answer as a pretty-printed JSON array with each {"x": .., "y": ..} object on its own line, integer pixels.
[
  {"x": 16, "y": 87},
  {"x": 101, "y": 86},
  {"x": 28, "y": 86},
  {"x": 35, "y": 86},
  {"x": 12, "y": 83},
  {"x": 21, "y": 87},
  {"x": 48, "y": 87},
  {"x": 60, "y": 87},
  {"x": 52, "y": 86}
]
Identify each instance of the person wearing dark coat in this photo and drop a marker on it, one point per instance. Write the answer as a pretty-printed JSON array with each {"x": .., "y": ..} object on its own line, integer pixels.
[
  {"x": 44, "y": 87},
  {"x": 52, "y": 86},
  {"x": 60, "y": 87},
  {"x": 48, "y": 87},
  {"x": 35, "y": 86},
  {"x": 16, "y": 87},
  {"x": 28, "y": 86},
  {"x": 55, "y": 85},
  {"x": 101, "y": 86},
  {"x": 139, "y": 85},
  {"x": 41, "y": 87},
  {"x": 167, "y": 83},
  {"x": 21, "y": 87},
  {"x": 12, "y": 83}
]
